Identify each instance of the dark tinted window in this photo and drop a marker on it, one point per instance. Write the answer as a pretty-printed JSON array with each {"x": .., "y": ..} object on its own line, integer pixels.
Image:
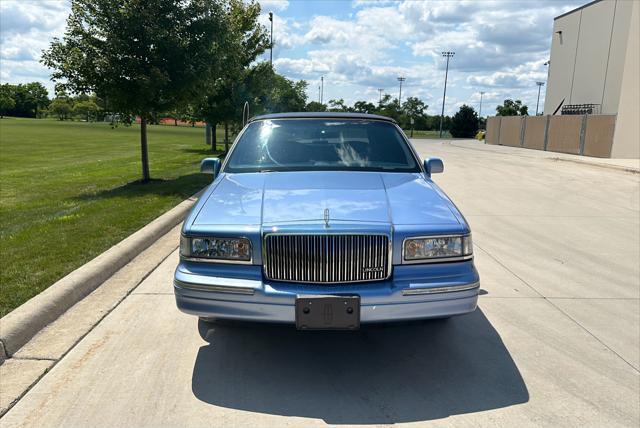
[{"x": 321, "y": 144}]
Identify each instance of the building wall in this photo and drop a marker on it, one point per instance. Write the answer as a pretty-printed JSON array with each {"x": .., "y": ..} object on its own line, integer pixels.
[
  {"x": 626, "y": 141},
  {"x": 587, "y": 58}
]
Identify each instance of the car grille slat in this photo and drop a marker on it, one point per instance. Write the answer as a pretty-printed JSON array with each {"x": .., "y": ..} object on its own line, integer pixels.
[{"x": 337, "y": 258}]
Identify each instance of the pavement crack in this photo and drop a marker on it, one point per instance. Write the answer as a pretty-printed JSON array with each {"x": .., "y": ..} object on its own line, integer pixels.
[{"x": 33, "y": 358}]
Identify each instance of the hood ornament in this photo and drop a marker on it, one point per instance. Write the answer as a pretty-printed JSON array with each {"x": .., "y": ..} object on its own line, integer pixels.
[{"x": 326, "y": 217}]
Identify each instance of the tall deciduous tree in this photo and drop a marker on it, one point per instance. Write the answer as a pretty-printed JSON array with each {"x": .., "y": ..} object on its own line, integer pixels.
[
  {"x": 244, "y": 40},
  {"x": 143, "y": 56}
]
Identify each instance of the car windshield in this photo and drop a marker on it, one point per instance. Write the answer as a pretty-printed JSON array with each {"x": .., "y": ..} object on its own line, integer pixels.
[{"x": 321, "y": 144}]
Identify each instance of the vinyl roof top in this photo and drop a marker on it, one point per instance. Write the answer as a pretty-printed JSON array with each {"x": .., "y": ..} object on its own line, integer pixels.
[{"x": 322, "y": 115}]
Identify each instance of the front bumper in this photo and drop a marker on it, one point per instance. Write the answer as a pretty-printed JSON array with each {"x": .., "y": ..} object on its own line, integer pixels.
[{"x": 413, "y": 292}]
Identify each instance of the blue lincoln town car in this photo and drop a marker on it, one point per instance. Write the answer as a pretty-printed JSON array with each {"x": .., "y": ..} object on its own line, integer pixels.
[{"x": 325, "y": 221}]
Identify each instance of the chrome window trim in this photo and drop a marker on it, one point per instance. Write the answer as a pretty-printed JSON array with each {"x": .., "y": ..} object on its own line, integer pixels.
[
  {"x": 438, "y": 290},
  {"x": 214, "y": 288},
  {"x": 404, "y": 261},
  {"x": 324, "y": 233},
  {"x": 211, "y": 260}
]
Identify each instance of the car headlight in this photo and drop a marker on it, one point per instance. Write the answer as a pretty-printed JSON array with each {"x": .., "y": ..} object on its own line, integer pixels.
[
  {"x": 216, "y": 248},
  {"x": 437, "y": 247}
]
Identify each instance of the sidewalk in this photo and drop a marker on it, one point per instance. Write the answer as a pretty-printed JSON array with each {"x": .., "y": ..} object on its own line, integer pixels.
[{"x": 628, "y": 165}]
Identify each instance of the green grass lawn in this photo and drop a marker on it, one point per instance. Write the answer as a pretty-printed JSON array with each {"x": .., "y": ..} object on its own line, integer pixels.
[{"x": 68, "y": 192}]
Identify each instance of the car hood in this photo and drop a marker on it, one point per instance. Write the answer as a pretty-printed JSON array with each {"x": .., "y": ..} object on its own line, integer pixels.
[{"x": 285, "y": 197}]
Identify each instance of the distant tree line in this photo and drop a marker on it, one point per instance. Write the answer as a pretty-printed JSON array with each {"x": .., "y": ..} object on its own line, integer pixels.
[{"x": 23, "y": 100}]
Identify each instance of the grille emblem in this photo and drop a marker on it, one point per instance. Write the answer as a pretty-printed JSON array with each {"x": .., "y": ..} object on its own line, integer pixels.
[
  {"x": 373, "y": 269},
  {"x": 326, "y": 217}
]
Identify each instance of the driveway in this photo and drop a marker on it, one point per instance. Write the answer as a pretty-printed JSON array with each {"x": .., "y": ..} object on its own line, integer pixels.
[{"x": 555, "y": 340}]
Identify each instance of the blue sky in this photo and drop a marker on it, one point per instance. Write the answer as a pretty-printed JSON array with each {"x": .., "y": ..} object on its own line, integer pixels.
[{"x": 360, "y": 46}]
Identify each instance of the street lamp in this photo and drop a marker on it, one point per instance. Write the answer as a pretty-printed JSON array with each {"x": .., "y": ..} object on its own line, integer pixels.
[
  {"x": 447, "y": 55},
  {"x": 540, "y": 85},
  {"x": 321, "y": 89},
  {"x": 480, "y": 114},
  {"x": 400, "y": 79},
  {"x": 271, "y": 44}
]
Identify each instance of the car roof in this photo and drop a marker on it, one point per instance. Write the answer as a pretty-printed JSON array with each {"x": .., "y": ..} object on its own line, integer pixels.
[{"x": 321, "y": 115}]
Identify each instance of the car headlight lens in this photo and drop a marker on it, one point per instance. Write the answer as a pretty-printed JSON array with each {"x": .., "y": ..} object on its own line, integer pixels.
[
  {"x": 216, "y": 248},
  {"x": 437, "y": 247}
]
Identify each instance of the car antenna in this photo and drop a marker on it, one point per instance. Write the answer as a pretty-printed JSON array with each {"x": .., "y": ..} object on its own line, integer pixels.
[{"x": 245, "y": 113}]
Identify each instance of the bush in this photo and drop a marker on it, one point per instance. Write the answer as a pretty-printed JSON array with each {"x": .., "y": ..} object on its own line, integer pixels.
[{"x": 464, "y": 123}]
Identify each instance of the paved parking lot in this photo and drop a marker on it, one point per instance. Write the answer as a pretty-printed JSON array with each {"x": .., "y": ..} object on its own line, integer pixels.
[{"x": 555, "y": 340}]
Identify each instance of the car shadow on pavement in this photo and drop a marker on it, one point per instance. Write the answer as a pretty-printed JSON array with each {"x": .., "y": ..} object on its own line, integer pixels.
[{"x": 378, "y": 375}]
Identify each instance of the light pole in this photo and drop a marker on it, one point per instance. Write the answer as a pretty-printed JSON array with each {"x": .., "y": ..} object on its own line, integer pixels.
[
  {"x": 540, "y": 85},
  {"x": 480, "y": 113},
  {"x": 321, "y": 89},
  {"x": 319, "y": 94},
  {"x": 271, "y": 43},
  {"x": 400, "y": 79},
  {"x": 447, "y": 54},
  {"x": 380, "y": 100}
]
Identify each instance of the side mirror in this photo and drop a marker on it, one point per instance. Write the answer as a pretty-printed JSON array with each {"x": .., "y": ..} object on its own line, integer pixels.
[
  {"x": 210, "y": 166},
  {"x": 433, "y": 166}
]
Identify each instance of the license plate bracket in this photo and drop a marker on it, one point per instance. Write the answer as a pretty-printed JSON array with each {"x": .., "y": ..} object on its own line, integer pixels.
[{"x": 328, "y": 312}]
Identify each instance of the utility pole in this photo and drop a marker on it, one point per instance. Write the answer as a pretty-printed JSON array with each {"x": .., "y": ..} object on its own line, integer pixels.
[
  {"x": 321, "y": 89},
  {"x": 400, "y": 79},
  {"x": 480, "y": 114},
  {"x": 446, "y": 54},
  {"x": 540, "y": 85},
  {"x": 380, "y": 100},
  {"x": 271, "y": 44}
]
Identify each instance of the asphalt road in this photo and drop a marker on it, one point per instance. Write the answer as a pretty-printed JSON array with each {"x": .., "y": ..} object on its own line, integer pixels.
[{"x": 555, "y": 340}]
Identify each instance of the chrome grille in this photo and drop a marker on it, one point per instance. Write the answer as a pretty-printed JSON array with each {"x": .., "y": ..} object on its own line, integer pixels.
[{"x": 326, "y": 258}]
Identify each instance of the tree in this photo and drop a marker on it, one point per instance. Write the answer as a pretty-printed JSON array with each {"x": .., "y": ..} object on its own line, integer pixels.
[
  {"x": 244, "y": 40},
  {"x": 338, "y": 106},
  {"x": 512, "y": 108},
  {"x": 142, "y": 56},
  {"x": 38, "y": 96},
  {"x": 6, "y": 99},
  {"x": 388, "y": 106},
  {"x": 86, "y": 109},
  {"x": 61, "y": 107},
  {"x": 364, "y": 107},
  {"x": 286, "y": 95},
  {"x": 464, "y": 123},
  {"x": 414, "y": 107},
  {"x": 315, "y": 106}
]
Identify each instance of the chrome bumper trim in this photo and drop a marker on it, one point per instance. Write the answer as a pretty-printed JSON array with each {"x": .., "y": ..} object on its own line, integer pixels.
[
  {"x": 436, "y": 290},
  {"x": 214, "y": 288}
]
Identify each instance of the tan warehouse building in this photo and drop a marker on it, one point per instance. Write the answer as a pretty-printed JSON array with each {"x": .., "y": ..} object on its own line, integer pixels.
[
  {"x": 594, "y": 61},
  {"x": 592, "y": 102}
]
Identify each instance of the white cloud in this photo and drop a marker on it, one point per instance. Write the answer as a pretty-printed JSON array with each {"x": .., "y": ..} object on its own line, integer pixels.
[
  {"x": 26, "y": 29},
  {"x": 271, "y": 5}
]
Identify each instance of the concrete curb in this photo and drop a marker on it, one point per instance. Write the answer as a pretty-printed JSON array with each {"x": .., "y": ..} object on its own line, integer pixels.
[
  {"x": 24, "y": 322},
  {"x": 623, "y": 168}
]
